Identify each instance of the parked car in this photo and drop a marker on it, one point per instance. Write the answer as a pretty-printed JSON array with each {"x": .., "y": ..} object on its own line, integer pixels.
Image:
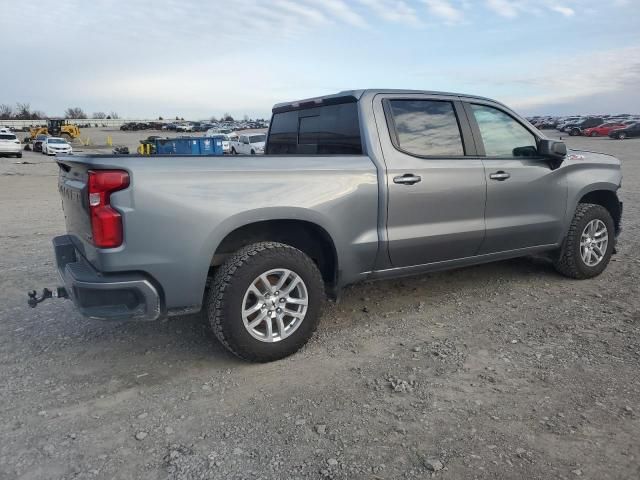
[
  {"x": 226, "y": 144},
  {"x": 575, "y": 129},
  {"x": 55, "y": 145},
  {"x": 602, "y": 130},
  {"x": 184, "y": 127},
  {"x": 631, "y": 131},
  {"x": 250, "y": 144},
  {"x": 10, "y": 145},
  {"x": 5, "y": 130},
  {"x": 36, "y": 144},
  {"x": 362, "y": 185}
]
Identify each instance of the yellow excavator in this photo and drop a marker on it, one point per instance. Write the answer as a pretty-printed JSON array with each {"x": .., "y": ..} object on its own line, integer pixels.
[{"x": 57, "y": 127}]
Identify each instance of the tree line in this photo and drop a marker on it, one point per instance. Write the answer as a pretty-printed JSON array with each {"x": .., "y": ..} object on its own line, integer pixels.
[{"x": 23, "y": 111}]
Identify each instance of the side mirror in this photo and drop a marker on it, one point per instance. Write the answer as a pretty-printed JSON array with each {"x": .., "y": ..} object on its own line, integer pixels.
[{"x": 552, "y": 149}]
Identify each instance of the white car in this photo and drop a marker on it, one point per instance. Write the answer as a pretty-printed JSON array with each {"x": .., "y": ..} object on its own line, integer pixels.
[
  {"x": 251, "y": 144},
  {"x": 55, "y": 145},
  {"x": 184, "y": 127},
  {"x": 5, "y": 130},
  {"x": 226, "y": 144},
  {"x": 9, "y": 144}
]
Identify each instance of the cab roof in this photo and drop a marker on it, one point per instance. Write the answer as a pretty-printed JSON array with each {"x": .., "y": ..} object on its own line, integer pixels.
[{"x": 347, "y": 96}]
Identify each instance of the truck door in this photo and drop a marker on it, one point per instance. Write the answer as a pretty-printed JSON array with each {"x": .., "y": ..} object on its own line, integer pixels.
[
  {"x": 526, "y": 197},
  {"x": 436, "y": 187}
]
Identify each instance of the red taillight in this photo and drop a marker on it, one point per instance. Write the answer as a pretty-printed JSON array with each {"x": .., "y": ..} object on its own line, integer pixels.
[{"x": 106, "y": 222}]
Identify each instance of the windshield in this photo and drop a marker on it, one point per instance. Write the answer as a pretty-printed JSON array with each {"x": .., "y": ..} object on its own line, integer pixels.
[
  {"x": 7, "y": 136},
  {"x": 56, "y": 140},
  {"x": 257, "y": 138}
]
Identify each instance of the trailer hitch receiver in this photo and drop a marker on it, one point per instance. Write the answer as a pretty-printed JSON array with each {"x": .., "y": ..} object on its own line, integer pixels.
[{"x": 58, "y": 292}]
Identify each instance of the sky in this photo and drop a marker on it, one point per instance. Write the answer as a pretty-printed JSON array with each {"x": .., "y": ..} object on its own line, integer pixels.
[{"x": 198, "y": 59}]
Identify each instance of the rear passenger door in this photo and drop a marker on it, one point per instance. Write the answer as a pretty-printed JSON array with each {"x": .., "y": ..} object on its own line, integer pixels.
[
  {"x": 436, "y": 188},
  {"x": 526, "y": 196}
]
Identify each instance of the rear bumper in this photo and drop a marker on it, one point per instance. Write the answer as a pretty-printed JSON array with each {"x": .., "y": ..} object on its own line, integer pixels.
[
  {"x": 16, "y": 148},
  {"x": 122, "y": 296}
]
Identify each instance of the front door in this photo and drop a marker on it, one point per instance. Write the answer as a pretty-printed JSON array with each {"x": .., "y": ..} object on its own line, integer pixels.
[
  {"x": 436, "y": 193},
  {"x": 526, "y": 197}
]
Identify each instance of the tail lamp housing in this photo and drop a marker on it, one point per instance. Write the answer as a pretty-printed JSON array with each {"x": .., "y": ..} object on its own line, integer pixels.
[{"x": 106, "y": 221}]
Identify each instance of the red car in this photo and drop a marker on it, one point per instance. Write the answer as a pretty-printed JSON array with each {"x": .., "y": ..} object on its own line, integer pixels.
[{"x": 602, "y": 130}]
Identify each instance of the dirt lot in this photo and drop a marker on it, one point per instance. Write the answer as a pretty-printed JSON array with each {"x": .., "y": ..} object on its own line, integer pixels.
[{"x": 499, "y": 371}]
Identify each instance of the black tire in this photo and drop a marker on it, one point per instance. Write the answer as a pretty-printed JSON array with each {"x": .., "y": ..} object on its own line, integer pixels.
[
  {"x": 231, "y": 281},
  {"x": 19, "y": 155},
  {"x": 622, "y": 136},
  {"x": 233, "y": 151},
  {"x": 569, "y": 262},
  {"x": 253, "y": 152}
]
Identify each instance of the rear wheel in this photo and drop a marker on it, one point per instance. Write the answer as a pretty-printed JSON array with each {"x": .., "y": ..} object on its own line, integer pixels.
[
  {"x": 594, "y": 134},
  {"x": 19, "y": 155},
  {"x": 266, "y": 301},
  {"x": 622, "y": 136},
  {"x": 233, "y": 151},
  {"x": 588, "y": 247}
]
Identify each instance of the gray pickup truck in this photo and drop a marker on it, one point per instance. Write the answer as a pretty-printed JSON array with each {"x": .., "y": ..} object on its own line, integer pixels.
[{"x": 361, "y": 185}]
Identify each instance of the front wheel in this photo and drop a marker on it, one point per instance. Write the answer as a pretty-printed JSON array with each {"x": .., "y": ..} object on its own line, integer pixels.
[
  {"x": 265, "y": 302},
  {"x": 588, "y": 247},
  {"x": 594, "y": 134},
  {"x": 622, "y": 136}
]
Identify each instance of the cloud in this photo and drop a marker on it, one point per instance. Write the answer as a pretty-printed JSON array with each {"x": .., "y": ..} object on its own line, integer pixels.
[
  {"x": 396, "y": 11},
  {"x": 343, "y": 12},
  {"x": 566, "y": 11},
  {"x": 585, "y": 75},
  {"x": 445, "y": 10},
  {"x": 504, "y": 8}
]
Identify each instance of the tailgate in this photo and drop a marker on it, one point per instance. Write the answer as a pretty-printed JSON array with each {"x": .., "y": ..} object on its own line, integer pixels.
[{"x": 73, "y": 188}]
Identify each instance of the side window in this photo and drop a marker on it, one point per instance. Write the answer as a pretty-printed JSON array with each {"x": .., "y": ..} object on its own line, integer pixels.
[
  {"x": 325, "y": 130},
  {"x": 502, "y": 135},
  {"x": 426, "y": 128}
]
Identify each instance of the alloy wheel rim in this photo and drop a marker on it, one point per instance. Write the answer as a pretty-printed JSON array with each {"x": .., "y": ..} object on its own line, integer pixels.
[
  {"x": 275, "y": 305},
  {"x": 594, "y": 242}
]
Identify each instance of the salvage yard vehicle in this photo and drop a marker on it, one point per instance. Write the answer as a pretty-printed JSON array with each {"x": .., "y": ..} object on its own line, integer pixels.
[
  {"x": 361, "y": 185},
  {"x": 602, "y": 130},
  {"x": 10, "y": 145},
  {"x": 575, "y": 129},
  {"x": 57, "y": 127},
  {"x": 55, "y": 146},
  {"x": 250, "y": 144},
  {"x": 631, "y": 131},
  {"x": 36, "y": 143}
]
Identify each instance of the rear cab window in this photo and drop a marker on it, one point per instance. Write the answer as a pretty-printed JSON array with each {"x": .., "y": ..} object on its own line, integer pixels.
[{"x": 322, "y": 130}]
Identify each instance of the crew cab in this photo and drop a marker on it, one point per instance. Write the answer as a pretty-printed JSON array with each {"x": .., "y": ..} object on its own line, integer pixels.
[
  {"x": 360, "y": 185},
  {"x": 248, "y": 144}
]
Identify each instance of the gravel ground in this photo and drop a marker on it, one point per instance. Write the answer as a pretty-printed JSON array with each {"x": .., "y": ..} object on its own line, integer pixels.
[{"x": 499, "y": 371}]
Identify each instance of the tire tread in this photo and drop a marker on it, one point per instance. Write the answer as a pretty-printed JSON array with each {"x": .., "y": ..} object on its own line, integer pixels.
[{"x": 222, "y": 281}]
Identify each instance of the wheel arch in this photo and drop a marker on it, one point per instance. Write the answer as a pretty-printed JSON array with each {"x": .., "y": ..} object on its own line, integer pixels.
[
  {"x": 608, "y": 199},
  {"x": 306, "y": 235}
]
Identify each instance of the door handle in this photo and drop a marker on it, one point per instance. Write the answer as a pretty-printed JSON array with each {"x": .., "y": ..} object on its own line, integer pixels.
[
  {"x": 407, "y": 179},
  {"x": 500, "y": 176}
]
